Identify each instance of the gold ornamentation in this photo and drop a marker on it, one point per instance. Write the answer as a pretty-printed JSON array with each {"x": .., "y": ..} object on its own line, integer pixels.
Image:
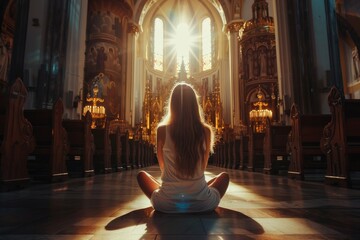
[
  {"x": 258, "y": 116},
  {"x": 97, "y": 112}
]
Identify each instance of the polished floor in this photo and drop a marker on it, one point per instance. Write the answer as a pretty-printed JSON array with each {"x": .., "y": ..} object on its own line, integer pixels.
[{"x": 111, "y": 206}]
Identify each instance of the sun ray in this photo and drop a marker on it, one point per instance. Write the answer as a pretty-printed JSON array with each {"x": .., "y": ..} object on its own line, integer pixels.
[{"x": 182, "y": 41}]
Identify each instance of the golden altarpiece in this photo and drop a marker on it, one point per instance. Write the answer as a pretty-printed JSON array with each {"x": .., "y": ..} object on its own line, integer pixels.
[
  {"x": 258, "y": 75},
  {"x": 156, "y": 97}
]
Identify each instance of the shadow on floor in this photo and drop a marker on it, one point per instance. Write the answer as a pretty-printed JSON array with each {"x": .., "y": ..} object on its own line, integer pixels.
[{"x": 219, "y": 221}]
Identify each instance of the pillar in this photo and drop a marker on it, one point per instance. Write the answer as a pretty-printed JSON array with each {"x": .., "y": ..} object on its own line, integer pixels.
[
  {"x": 133, "y": 31},
  {"x": 233, "y": 29},
  {"x": 283, "y": 59},
  {"x": 75, "y": 59}
]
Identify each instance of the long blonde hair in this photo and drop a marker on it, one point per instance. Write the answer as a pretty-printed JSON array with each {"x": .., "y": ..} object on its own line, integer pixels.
[{"x": 187, "y": 128}]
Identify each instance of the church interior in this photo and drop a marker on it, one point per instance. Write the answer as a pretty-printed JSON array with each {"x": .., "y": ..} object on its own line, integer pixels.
[{"x": 85, "y": 83}]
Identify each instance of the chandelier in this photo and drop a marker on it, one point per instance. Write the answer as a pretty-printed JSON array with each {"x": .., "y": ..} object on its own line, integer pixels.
[
  {"x": 97, "y": 112},
  {"x": 258, "y": 116}
]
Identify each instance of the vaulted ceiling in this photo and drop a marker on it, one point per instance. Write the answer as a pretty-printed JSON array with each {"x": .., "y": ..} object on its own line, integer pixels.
[{"x": 223, "y": 7}]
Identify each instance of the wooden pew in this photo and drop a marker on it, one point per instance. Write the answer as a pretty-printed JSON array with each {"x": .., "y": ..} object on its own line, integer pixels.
[
  {"x": 16, "y": 137},
  {"x": 218, "y": 152},
  {"x": 115, "y": 147},
  {"x": 125, "y": 150},
  {"x": 256, "y": 155},
  {"x": 48, "y": 160},
  {"x": 133, "y": 145},
  {"x": 236, "y": 152},
  {"x": 231, "y": 152},
  {"x": 81, "y": 147},
  {"x": 215, "y": 155},
  {"x": 149, "y": 154},
  {"x": 139, "y": 154},
  {"x": 244, "y": 151},
  {"x": 304, "y": 143},
  {"x": 341, "y": 139},
  {"x": 228, "y": 147},
  {"x": 223, "y": 152},
  {"x": 275, "y": 151},
  {"x": 144, "y": 153},
  {"x": 226, "y": 156},
  {"x": 102, "y": 154}
]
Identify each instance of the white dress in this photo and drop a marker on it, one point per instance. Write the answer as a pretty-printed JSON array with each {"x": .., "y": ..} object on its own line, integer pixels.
[{"x": 178, "y": 195}]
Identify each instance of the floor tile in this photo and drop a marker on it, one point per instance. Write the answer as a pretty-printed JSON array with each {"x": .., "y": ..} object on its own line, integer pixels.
[{"x": 111, "y": 206}]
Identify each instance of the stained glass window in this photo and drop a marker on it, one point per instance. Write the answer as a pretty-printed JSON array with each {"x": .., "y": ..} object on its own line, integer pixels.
[
  {"x": 206, "y": 44},
  {"x": 183, "y": 44},
  {"x": 159, "y": 44}
]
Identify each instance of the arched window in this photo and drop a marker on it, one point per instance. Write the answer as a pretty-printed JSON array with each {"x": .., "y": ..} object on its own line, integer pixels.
[
  {"x": 158, "y": 44},
  {"x": 183, "y": 42},
  {"x": 206, "y": 44}
]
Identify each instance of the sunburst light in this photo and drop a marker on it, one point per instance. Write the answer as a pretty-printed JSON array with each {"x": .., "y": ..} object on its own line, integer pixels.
[{"x": 182, "y": 42}]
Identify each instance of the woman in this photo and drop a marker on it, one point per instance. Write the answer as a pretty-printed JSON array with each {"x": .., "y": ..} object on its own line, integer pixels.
[{"x": 184, "y": 142}]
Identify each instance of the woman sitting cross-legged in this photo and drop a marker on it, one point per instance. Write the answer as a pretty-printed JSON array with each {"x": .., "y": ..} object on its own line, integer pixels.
[{"x": 184, "y": 143}]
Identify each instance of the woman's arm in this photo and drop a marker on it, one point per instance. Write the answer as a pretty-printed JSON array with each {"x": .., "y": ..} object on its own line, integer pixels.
[{"x": 160, "y": 140}]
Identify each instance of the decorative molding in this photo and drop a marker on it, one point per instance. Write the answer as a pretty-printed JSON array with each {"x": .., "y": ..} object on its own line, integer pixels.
[
  {"x": 235, "y": 26},
  {"x": 133, "y": 28}
]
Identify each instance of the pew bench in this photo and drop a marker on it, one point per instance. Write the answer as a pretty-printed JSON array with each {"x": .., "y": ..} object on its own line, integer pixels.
[
  {"x": 102, "y": 153},
  {"x": 149, "y": 154},
  {"x": 48, "y": 160},
  {"x": 133, "y": 148},
  {"x": 222, "y": 153},
  {"x": 226, "y": 154},
  {"x": 216, "y": 155},
  {"x": 244, "y": 151},
  {"x": 115, "y": 140},
  {"x": 255, "y": 151},
  {"x": 139, "y": 153},
  {"x": 81, "y": 147},
  {"x": 16, "y": 137},
  {"x": 236, "y": 152},
  {"x": 125, "y": 150},
  {"x": 304, "y": 144},
  {"x": 275, "y": 148},
  {"x": 231, "y": 153},
  {"x": 341, "y": 140}
]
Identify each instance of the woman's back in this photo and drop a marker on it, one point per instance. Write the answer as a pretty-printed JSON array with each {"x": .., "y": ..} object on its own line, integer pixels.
[
  {"x": 184, "y": 142},
  {"x": 178, "y": 194}
]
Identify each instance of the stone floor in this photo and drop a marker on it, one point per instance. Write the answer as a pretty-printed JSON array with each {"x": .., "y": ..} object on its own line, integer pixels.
[{"x": 111, "y": 206}]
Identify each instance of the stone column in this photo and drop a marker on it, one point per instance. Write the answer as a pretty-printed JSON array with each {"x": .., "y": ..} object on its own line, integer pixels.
[
  {"x": 75, "y": 59},
  {"x": 283, "y": 58},
  {"x": 131, "y": 87},
  {"x": 233, "y": 28}
]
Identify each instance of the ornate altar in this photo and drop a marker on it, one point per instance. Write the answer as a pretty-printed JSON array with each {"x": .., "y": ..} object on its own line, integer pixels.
[
  {"x": 258, "y": 66},
  {"x": 156, "y": 97}
]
